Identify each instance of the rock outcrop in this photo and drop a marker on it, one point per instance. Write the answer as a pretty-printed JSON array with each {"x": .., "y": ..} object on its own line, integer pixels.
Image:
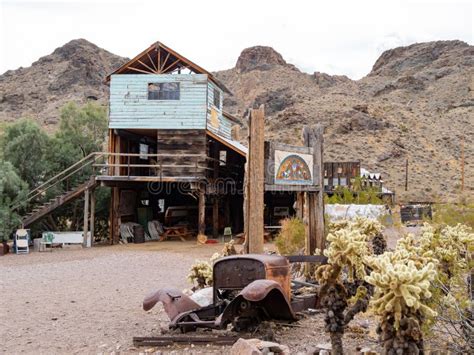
[
  {"x": 258, "y": 58},
  {"x": 417, "y": 103},
  {"x": 73, "y": 72}
]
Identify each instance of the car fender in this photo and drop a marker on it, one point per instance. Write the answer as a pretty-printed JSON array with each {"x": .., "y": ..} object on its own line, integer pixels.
[
  {"x": 174, "y": 301},
  {"x": 266, "y": 294}
]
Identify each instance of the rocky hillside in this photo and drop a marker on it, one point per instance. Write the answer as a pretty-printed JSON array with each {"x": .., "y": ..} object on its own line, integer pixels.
[
  {"x": 73, "y": 72},
  {"x": 417, "y": 103}
]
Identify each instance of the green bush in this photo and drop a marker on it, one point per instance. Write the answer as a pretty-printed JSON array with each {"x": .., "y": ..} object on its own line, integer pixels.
[
  {"x": 291, "y": 238},
  {"x": 452, "y": 214}
]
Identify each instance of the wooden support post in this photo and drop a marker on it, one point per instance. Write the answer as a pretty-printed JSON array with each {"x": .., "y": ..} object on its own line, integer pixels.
[
  {"x": 92, "y": 225},
  {"x": 86, "y": 216},
  {"x": 215, "y": 217},
  {"x": 314, "y": 201},
  {"x": 202, "y": 212},
  {"x": 215, "y": 202},
  {"x": 319, "y": 203},
  {"x": 255, "y": 182},
  {"x": 114, "y": 216},
  {"x": 299, "y": 204},
  {"x": 118, "y": 142}
]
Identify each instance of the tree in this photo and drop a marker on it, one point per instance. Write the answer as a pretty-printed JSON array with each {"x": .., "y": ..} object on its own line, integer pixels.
[
  {"x": 24, "y": 145},
  {"x": 84, "y": 128},
  {"x": 11, "y": 189}
]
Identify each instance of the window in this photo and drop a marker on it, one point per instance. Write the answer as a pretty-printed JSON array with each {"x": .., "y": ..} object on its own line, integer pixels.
[
  {"x": 161, "y": 205},
  {"x": 217, "y": 98},
  {"x": 163, "y": 91},
  {"x": 222, "y": 157},
  {"x": 143, "y": 151}
]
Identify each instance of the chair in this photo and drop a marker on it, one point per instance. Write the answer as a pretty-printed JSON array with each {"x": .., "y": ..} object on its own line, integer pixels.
[
  {"x": 21, "y": 241},
  {"x": 47, "y": 239},
  {"x": 227, "y": 233}
]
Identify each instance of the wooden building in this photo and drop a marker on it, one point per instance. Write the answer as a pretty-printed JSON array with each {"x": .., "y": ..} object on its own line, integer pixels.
[
  {"x": 340, "y": 174},
  {"x": 170, "y": 145}
]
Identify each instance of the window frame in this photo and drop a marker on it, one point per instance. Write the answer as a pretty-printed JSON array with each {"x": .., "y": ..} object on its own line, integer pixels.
[
  {"x": 161, "y": 92},
  {"x": 216, "y": 91}
]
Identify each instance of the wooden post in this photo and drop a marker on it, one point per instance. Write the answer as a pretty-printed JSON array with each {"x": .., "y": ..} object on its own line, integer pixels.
[
  {"x": 299, "y": 205},
  {"x": 92, "y": 227},
  {"x": 215, "y": 202},
  {"x": 215, "y": 217},
  {"x": 202, "y": 212},
  {"x": 86, "y": 216},
  {"x": 314, "y": 206},
  {"x": 118, "y": 159},
  {"x": 318, "y": 214},
  {"x": 256, "y": 183},
  {"x": 114, "y": 217}
]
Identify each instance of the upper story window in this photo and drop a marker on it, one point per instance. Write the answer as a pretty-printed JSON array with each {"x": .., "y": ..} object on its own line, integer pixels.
[
  {"x": 163, "y": 91},
  {"x": 217, "y": 98}
]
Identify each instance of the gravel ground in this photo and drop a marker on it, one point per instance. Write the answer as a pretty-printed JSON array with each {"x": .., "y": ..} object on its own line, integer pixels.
[{"x": 88, "y": 300}]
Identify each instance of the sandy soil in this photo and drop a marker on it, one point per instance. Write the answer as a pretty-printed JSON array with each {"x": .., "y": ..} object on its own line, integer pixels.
[{"x": 89, "y": 301}]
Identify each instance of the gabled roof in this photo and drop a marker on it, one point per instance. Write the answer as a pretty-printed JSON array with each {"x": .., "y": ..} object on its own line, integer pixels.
[{"x": 160, "y": 59}]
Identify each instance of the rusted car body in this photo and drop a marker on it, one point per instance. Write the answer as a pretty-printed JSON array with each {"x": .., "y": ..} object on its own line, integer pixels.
[{"x": 247, "y": 290}]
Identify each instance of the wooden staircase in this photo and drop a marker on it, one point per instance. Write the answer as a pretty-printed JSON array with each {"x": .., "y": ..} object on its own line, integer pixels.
[
  {"x": 48, "y": 207},
  {"x": 43, "y": 210}
]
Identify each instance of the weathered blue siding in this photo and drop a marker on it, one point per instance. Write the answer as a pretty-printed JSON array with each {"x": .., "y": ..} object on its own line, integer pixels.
[
  {"x": 130, "y": 107},
  {"x": 222, "y": 126}
]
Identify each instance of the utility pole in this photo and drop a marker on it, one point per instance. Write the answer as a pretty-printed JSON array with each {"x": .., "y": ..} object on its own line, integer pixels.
[
  {"x": 462, "y": 163},
  {"x": 406, "y": 175}
]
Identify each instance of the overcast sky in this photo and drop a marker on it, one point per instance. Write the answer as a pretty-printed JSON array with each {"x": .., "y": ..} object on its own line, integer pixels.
[{"x": 336, "y": 37}]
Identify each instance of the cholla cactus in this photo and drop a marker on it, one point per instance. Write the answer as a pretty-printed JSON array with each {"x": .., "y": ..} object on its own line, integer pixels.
[
  {"x": 201, "y": 273},
  {"x": 366, "y": 226},
  {"x": 401, "y": 292},
  {"x": 346, "y": 250}
]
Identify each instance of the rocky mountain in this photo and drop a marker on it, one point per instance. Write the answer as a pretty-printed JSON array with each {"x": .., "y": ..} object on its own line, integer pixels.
[
  {"x": 417, "y": 103},
  {"x": 73, "y": 72}
]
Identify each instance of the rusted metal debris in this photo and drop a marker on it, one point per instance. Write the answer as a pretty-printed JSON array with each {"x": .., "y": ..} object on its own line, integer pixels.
[
  {"x": 247, "y": 290},
  {"x": 185, "y": 339}
]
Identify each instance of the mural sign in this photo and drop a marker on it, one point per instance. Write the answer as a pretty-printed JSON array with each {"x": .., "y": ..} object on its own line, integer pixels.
[{"x": 293, "y": 168}]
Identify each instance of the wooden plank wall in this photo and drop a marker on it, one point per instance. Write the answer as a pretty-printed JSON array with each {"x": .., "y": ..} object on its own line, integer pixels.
[
  {"x": 130, "y": 107},
  {"x": 224, "y": 126},
  {"x": 183, "y": 142},
  {"x": 349, "y": 170}
]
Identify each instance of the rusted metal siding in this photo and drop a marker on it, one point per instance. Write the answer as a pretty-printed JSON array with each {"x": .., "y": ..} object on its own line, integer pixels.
[
  {"x": 216, "y": 122},
  {"x": 131, "y": 108}
]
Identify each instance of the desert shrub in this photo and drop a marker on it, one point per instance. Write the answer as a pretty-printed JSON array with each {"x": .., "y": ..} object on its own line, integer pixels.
[
  {"x": 291, "y": 238},
  {"x": 453, "y": 214},
  {"x": 200, "y": 273},
  {"x": 355, "y": 195}
]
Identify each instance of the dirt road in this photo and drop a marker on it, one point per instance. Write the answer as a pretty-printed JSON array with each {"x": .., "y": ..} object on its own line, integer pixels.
[{"x": 88, "y": 300}]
